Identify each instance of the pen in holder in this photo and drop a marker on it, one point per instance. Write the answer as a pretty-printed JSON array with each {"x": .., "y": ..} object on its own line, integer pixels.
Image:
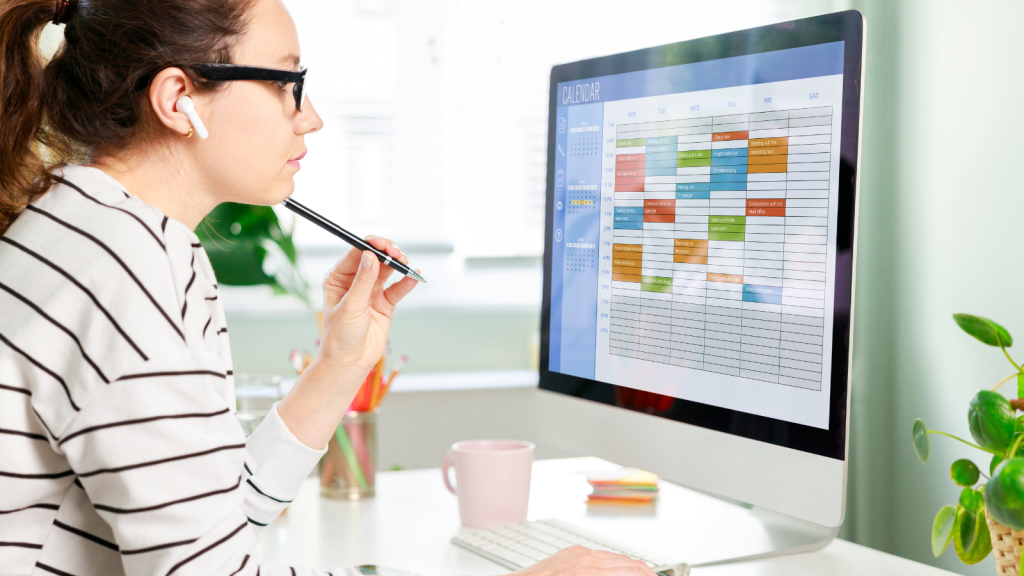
[{"x": 348, "y": 469}]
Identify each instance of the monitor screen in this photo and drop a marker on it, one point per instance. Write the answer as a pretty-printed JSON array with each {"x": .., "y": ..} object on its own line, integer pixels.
[{"x": 698, "y": 258}]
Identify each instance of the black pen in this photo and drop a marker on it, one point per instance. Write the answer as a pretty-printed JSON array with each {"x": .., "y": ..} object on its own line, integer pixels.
[{"x": 349, "y": 237}]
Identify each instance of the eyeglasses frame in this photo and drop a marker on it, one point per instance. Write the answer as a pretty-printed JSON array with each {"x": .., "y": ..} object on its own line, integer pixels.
[{"x": 227, "y": 72}]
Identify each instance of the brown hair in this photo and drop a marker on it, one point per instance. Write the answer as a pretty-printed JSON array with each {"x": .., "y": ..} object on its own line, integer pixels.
[{"x": 90, "y": 99}]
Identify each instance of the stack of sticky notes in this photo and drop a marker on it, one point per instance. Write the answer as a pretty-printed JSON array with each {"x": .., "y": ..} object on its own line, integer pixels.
[{"x": 627, "y": 486}]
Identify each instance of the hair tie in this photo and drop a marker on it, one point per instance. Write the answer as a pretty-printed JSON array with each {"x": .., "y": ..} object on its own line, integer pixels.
[{"x": 60, "y": 12}]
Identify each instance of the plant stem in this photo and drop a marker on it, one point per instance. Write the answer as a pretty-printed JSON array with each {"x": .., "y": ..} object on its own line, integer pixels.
[
  {"x": 962, "y": 440},
  {"x": 1004, "y": 380},
  {"x": 1007, "y": 354},
  {"x": 1016, "y": 444}
]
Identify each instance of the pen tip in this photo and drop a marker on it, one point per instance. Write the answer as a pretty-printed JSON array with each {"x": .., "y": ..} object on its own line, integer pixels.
[{"x": 417, "y": 277}]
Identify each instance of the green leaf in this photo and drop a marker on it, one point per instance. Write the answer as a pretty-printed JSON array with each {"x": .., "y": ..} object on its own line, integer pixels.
[
  {"x": 996, "y": 459},
  {"x": 921, "y": 444},
  {"x": 964, "y": 472},
  {"x": 1020, "y": 389},
  {"x": 971, "y": 499},
  {"x": 942, "y": 529},
  {"x": 991, "y": 420},
  {"x": 984, "y": 329},
  {"x": 1004, "y": 493},
  {"x": 971, "y": 538}
]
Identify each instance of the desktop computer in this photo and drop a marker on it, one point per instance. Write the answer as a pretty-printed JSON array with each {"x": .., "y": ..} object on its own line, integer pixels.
[{"x": 698, "y": 269}]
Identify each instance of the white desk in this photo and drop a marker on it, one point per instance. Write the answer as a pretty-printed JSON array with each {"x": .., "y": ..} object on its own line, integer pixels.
[{"x": 409, "y": 523}]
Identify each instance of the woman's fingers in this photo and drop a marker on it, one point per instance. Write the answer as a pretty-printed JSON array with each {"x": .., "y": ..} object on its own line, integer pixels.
[{"x": 400, "y": 289}]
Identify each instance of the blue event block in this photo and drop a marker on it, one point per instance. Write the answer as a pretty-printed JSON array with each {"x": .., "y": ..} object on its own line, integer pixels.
[
  {"x": 725, "y": 178},
  {"x": 722, "y": 186},
  {"x": 695, "y": 195},
  {"x": 762, "y": 294},
  {"x": 663, "y": 172},
  {"x": 660, "y": 151},
  {"x": 629, "y": 217},
  {"x": 630, "y": 225},
  {"x": 660, "y": 163},
  {"x": 742, "y": 169},
  {"x": 738, "y": 161},
  {"x": 627, "y": 210},
  {"x": 729, "y": 153},
  {"x": 688, "y": 186},
  {"x": 662, "y": 140}
]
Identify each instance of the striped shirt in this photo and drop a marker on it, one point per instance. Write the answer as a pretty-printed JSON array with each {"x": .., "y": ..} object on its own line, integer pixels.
[{"x": 119, "y": 448}]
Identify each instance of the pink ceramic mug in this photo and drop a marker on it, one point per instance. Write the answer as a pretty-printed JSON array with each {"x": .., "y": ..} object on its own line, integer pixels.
[{"x": 492, "y": 480}]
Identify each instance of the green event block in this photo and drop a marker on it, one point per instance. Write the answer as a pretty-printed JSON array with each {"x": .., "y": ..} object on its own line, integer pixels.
[
  {"x": 630, "y": 143},
  {"x": 691, "y": 154},
  {"x": 727, "y": 228},
  {"x": 727, "y": 219},
  {"x": 726, "y": 236},
  {"x": 693, "y": 163},
  {"x": 656, "y": 284}
]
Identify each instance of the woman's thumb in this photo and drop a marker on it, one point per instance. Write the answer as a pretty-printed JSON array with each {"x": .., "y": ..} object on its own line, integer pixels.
[{"x": 362, "y": 287}]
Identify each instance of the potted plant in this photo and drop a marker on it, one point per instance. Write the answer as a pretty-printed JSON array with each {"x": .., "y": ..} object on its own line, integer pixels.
[
  {"x": 248, "y": 246},
  {"x": 990, "y": 512}
]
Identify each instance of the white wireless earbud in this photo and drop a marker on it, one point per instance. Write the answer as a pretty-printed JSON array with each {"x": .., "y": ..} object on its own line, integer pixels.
[{"x": 186, "y": 107}]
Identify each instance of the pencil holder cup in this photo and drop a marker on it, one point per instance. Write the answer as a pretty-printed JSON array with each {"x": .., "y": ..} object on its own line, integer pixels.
[{"x": 348, "y": 468}]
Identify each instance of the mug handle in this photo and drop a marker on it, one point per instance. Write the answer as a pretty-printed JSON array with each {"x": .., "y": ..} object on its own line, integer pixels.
[{"x": 444, "y": 471}]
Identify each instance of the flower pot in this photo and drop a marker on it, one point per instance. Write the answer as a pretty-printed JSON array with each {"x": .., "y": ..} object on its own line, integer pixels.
[{"x": 1006, "y": 546}]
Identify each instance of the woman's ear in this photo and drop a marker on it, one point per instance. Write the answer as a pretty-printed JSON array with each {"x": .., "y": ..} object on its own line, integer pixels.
[{"x": 164, "y": 91}]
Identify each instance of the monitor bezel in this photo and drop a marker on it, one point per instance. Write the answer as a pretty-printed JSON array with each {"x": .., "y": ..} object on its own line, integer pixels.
[{"x": 845, "y": 26}]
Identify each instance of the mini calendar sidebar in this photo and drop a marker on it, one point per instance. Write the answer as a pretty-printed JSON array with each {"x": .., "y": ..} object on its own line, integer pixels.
[{"x": 575, "y": 238}]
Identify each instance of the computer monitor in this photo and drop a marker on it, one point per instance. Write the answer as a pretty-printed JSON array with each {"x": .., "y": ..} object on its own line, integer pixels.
[{"x": 699, "y": 259}]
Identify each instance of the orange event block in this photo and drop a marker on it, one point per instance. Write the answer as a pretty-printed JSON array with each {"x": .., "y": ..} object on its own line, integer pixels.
[
  {"x": 730, "y": 136},
  {"x": 690, "y": 243},
  {"x": 762, "y": 168},
  {"x": 729, "y": 278},
  {"x": 621, "y": 158},
  {"x": 626, "y": 277},
  {"x": 632, "y": 187},
  {"x": 638, "y": 248},
  {"x": 769, "y": 142}
]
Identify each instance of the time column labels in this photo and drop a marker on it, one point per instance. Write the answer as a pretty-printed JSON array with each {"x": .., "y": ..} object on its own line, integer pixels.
[{"x": 719, "y": 243}]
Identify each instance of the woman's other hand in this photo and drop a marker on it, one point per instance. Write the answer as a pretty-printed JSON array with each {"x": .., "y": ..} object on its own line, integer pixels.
[
  {"x": 358, "y": 308},
  {"x": 580, "y": 561}
]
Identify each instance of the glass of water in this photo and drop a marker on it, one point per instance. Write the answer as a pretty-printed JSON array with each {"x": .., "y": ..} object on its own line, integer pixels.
[{"x": 255, "y": 395}]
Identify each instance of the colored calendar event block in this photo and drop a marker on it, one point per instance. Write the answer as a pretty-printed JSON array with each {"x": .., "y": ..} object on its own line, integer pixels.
[
  {"x": 769, "y": 142},
  {"x": 629, "y": 248},
  {"x": 659, "y": 206},
  {"x": 766, "y": 168},
  {"x": 766, "y": 207},
  {"x": 656, "y": 284},
  {"x": 629, "y": 187},
  {"x": 722, "y": 136},
  {"x": 630, "y": 142},
  {"x": 727, "y": 278},
  {"x": 624, "y": 158}
]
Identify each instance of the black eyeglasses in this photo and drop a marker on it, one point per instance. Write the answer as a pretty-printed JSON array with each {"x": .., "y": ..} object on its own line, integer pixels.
[{"x": 238, "y": 72}]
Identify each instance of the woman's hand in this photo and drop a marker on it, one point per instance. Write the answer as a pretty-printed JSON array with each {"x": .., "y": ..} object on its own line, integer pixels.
[
  {"x": 358, "y": 309},
  {"x": 580, "y": 561},
  {"x": 357, "y": 317}
]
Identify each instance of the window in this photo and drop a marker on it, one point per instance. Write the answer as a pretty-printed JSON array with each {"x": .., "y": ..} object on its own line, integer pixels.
[{"x": 435, "y": 111}]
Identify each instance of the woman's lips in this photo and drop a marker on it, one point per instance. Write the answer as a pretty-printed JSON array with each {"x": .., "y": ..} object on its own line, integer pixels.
[{"x": 294, "y": 162}]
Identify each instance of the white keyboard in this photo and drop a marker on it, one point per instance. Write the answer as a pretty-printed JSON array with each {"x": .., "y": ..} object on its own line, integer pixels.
[{"x": 516, "y": 546}]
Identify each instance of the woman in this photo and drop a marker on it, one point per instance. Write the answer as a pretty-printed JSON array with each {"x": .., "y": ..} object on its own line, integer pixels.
[{"x": 120, "y": 451}]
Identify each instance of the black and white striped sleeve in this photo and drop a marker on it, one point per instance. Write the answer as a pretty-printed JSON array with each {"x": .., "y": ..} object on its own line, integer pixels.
[{"x": 164, "y": 462}]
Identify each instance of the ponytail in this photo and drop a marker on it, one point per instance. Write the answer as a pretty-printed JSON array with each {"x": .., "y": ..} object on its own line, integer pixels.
[
  {"x": 90, "y": 99},
  {"x": 24, "y": 174}
]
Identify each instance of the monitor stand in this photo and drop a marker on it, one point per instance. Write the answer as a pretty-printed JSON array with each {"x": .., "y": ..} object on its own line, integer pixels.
[{"x": 767, "y": 534}]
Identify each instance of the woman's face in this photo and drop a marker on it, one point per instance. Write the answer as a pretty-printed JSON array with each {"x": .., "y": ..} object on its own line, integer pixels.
[{"x": 256, "y": 134}]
